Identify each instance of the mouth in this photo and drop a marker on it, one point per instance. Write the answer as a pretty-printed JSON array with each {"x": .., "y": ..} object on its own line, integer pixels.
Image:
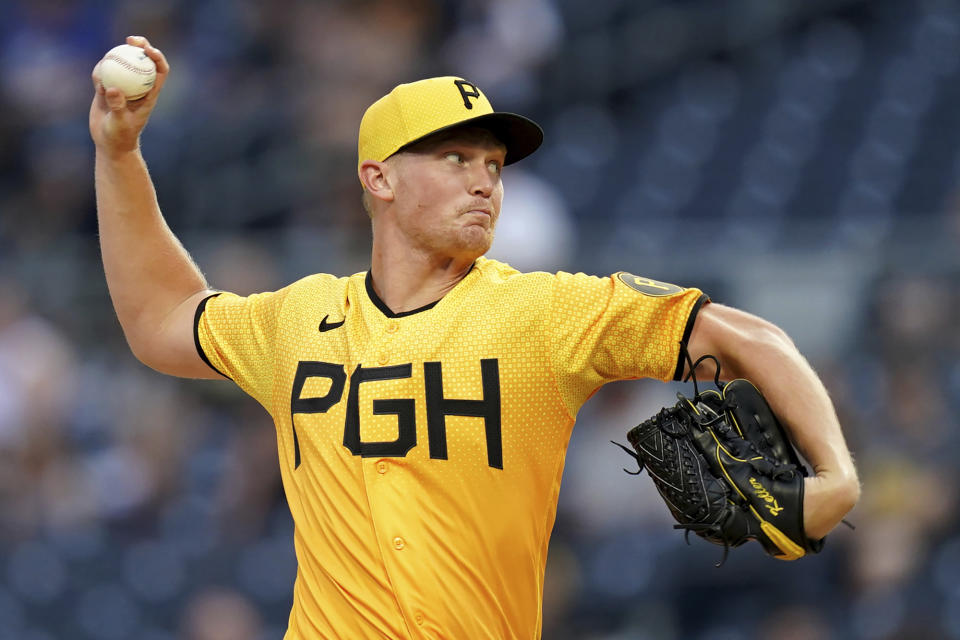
[{"x": 484, "y": 211}]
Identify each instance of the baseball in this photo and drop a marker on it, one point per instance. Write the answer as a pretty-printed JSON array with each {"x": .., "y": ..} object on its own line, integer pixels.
[{"x": 129, "y": 69}]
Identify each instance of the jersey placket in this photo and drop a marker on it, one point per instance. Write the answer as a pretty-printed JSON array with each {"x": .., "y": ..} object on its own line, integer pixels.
[{"x": 382, "y": 483}]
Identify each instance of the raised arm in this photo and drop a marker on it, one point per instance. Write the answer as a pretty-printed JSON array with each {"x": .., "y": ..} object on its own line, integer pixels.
[
  {"x": 752, "y": 348},
  {"x": 154, "y": 284}
]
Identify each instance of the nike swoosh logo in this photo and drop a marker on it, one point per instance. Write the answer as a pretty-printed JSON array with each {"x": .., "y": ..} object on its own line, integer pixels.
[{"x": 329, "y": 326}]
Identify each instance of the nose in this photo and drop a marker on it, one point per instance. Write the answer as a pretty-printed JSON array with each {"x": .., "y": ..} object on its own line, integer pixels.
[{"x": 482, "y": 182}]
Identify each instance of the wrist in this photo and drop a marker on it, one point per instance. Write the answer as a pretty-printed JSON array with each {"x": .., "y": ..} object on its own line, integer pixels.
[{"x": 115, "y": 153}]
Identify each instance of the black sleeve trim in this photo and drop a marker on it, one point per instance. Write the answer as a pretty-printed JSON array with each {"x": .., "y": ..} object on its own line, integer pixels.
[
  {"x": 702, "y": 300},
  {"x": 196, "y": 333}
]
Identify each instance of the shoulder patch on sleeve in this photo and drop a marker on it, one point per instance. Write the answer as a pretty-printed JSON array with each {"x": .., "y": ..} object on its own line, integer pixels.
[{"x": 648, "y": 287}]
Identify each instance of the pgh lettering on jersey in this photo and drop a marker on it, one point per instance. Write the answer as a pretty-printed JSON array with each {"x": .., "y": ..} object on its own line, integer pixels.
[{"x": 421, "y": 453}]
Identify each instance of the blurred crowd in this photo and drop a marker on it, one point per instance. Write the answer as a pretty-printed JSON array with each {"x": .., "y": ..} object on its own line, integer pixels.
[{"x": 798, "y": 159}]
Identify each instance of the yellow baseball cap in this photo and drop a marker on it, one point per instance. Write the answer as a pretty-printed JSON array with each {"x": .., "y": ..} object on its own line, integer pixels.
[{"x": 416, "y": 110}]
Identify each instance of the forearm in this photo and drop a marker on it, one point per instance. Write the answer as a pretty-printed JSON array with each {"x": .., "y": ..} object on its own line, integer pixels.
[
  {"x": 803, "y": 405},
  {"x": 751, "y": 348},
  {"x": 798, "y": 397},
  {"x": 149, "y": 273}
]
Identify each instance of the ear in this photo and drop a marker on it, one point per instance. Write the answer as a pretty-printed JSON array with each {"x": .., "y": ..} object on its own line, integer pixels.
[{"x": 373, "y": 175}]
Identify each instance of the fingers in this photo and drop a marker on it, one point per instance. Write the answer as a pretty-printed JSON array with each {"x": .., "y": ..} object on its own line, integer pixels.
[
  {"x": 163, "y": 67},
  {"x": 115, "y": 99},
  {"x": 154, "y": 54},
  {"x": 138, "y": 41}
]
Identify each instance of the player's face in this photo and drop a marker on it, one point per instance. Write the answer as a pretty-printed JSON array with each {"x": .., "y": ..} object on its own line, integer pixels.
[{"x": 448, "y": 193}]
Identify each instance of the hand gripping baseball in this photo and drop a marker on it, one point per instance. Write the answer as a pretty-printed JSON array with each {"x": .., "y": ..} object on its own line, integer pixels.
[{"x": 115, "y": 122}]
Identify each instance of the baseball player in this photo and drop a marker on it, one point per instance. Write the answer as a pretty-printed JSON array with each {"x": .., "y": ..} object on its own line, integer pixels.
[{"x": 423, "y": 408}]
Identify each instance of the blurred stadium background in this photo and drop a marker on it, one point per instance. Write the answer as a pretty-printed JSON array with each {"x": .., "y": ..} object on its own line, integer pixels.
[{"x": 799, "y": 159}]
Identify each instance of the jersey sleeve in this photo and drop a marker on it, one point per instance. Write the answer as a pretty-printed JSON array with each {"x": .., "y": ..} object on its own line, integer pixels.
[
  {"x": 615, "y": 328},
  {"x": 237, "y": 337}
]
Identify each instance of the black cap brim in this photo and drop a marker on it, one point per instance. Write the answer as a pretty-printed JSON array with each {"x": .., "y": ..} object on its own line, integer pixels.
[{"x": 520, "y": 135}]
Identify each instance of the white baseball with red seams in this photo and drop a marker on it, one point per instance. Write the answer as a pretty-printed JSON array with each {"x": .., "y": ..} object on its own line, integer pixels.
[{"x": 129, "y": 69}]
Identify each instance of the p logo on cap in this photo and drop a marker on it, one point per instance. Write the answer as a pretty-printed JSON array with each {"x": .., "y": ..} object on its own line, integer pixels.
[
  {"x": 416, "y": 110},
  {"x": 472, "y": 93}
]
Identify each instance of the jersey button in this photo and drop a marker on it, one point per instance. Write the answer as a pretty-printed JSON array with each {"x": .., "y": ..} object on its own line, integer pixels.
[
  {"x": 393, "y": 326},
  {"x": 398, "y": 543},
  {"x": 383, "y": 358},
  {"x": 381, "y": 467},
  {"x": 418, "y": 618}
]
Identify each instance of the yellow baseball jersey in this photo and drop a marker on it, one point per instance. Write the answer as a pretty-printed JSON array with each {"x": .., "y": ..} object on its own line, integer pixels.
[{"x": 422, "y": 452}]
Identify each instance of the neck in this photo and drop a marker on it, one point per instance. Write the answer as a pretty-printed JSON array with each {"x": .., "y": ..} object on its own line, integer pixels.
[{"x": 409, "y": 280}]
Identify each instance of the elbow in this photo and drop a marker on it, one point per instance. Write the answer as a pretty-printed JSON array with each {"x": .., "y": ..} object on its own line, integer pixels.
[
  {"x": 137, "y": 328},
  {"x": 141, "y": 350},
  {"x": 846, "y": 496},
  {"x": 154, "y": 357},
  {"x": 848, "y": 491},
  {"x": 162, "y": 337},
  {"x": 144, "y": 344},
  {"x": 841, "y": 490}
]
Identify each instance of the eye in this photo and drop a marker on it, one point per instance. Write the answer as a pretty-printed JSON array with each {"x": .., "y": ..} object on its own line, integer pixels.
[
  {"x": 454, "y": 156},
  {"x": 494, "y": 167}
]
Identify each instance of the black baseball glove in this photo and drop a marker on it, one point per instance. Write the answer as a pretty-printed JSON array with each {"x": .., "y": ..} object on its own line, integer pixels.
[{"x": 726, "y": 468}]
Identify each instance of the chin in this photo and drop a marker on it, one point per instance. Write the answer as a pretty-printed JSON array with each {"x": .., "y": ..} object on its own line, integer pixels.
[{"x": 475, "y": 240}]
